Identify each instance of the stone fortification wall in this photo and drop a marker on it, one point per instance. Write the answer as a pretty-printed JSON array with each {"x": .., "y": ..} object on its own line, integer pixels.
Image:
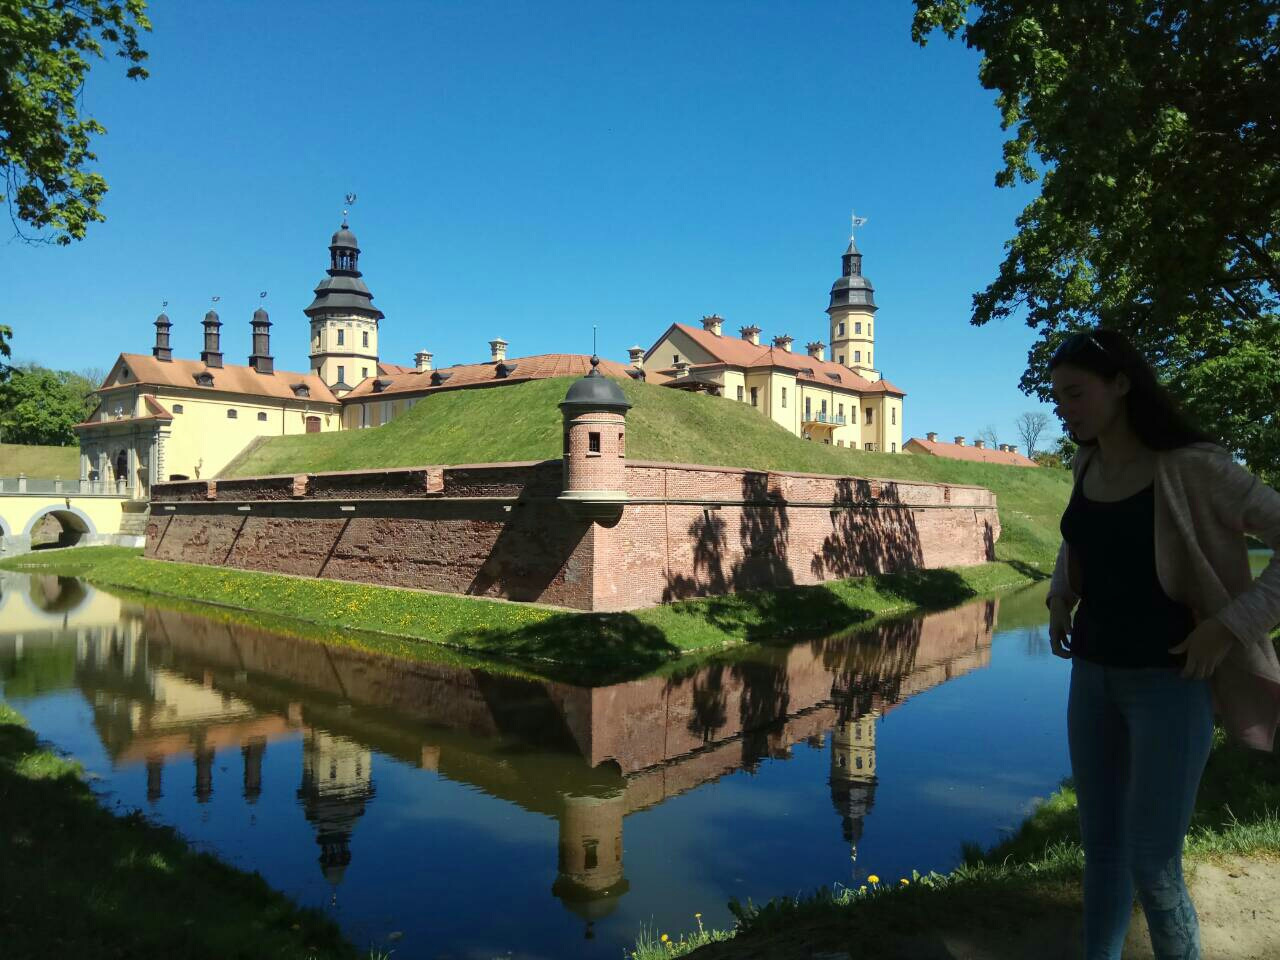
[{"x": 498, "y": 530}]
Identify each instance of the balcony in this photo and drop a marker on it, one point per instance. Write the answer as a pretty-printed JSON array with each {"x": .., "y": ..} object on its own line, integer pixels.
[{"x": 830, "y": 419}]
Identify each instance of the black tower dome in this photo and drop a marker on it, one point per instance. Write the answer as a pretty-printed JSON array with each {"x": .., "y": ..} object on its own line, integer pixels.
[
  {"x": 343, "y": 292},
  {"x": 852, "y": 288}
]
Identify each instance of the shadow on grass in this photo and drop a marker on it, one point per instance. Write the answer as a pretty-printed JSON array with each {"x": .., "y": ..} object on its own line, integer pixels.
[{"x": 133, "y": 889}]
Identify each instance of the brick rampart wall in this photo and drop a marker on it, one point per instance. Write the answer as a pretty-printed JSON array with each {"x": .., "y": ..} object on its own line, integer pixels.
[{"x": 498, "y": 530}]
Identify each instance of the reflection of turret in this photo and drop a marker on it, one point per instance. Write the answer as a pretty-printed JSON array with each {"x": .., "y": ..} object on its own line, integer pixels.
[
  {"x": 337, "y": 780},
  {"x": 155, "y": 768},
  {"x": 853, "y": 774},
  {"x": 590, "y": 880},
  {"x": 204, "y": 773},
  {"x": 252, "y": 751}
]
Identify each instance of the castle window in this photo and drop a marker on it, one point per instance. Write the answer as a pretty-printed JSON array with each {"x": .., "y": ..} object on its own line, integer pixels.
[
  {"x": 675, "y": 358},
  {"x": 593, "y": 442},
  {"x": 784, "y": 398},
  {"x": 364, "y": 373},
  {"x": 739, "y": 393},
  {"x": 857, "y": 356},
  {"x": 868, "y": 329},
  {"x": 262, "y": 416},
  {"x": 868, "y": 358},
  {"x": 177, "y": 408},
  {"x": 857, "y": 328},
  {"x": 893, "y": 448},
  {"x": 364, "y": 415},
  {"x": 365, "y": 337},
  {"x": 386, "y": 410},
  {"x": 232, "y": 414},
  {"x": 591, "y": 858},
  {"x": 842, "y": 328},
  {"x": 755, "y": 396},
  {"x": 840, "y": 410},
  {"x": 807, "y": 408},
  {"x": 342, "y": 374},
  {"x": 841, "y": 360},
  {"x": 893, "y": 415},
  {"x": 340, "y": 336},
  {"x": 870, "y": 413}
]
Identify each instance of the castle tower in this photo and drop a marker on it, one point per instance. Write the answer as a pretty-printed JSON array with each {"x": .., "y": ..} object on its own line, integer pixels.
[
  {"x": 344, "y": 321},
  {"x": 852, "y": 312},
  {"x": 595, "y": 428}
]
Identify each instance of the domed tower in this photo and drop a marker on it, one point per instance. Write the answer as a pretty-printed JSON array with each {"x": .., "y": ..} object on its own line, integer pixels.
[
  {"x": 595, "y": 432},
  {"x": 344, "y": 321},
  {"x": 852, "y": 312}
]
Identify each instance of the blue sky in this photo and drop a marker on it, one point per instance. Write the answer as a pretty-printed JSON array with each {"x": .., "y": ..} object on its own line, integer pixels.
[{"x": 529, "y": 170}]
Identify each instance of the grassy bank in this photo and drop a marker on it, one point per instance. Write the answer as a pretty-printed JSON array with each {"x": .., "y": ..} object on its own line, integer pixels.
[
  {"x": 576, "y": 647},
  {"x": 522, "y": 422},
  {"x": 80, "y": 882},
  {"x": 1026, "y": 887},
  {"x": 38, "y": 461}
]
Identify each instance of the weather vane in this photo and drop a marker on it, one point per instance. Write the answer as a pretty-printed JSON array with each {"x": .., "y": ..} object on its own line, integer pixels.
[
  {"x": 215, "y": 299},
  {"x": 164, "y": 304},
  {"x": 350, "y": 198},
  {"x": 855, "y": 222}
]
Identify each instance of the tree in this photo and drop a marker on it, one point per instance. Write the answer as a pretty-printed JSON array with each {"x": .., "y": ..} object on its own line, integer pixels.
[
  {"x": 988, "y": 435},
  {"x": 37, "y": 406},
  {"x": 45, "y": 51},
  {"x": 6, "y": 334},
  {"x": 1029, "y": 426},
  {"x": 1152, "y": 128}
]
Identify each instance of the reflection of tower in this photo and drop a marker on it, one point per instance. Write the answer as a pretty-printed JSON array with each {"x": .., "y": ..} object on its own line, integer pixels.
[
  {"x": 590, "y": 879},
  {"x": 155, "y": 769},
  {"x": 204, "y": 773},
  {"x": 337, "y": 780},
  {"x": 252, "y": 753},
  {"x": 853, "y": 774}
]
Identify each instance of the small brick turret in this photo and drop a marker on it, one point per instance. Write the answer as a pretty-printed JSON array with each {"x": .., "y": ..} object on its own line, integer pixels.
[{"x": 595, "y": 427}]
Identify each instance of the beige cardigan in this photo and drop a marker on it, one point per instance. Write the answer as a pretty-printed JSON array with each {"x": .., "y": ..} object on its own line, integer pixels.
[{"x": 1205, "y": 503}]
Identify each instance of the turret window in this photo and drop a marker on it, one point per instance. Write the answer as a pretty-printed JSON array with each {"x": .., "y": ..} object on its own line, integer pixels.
[
  {"x": 857, "y": 327},
  {"x": 365, "y": 336},
  {"x": 842, "y": 328},
  {"x": 842, "y": 358},
  {"x": 342, "y": 374},
  {"x": 593, "y": 442},
  {"x": 340, "y": 336},
  {"x": 622, "y": 449},
  {"x": 857, "y": 356}
]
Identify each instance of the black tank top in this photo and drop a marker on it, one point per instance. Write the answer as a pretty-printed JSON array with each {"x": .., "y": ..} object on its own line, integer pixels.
[{"x": 1125, "y": 619}]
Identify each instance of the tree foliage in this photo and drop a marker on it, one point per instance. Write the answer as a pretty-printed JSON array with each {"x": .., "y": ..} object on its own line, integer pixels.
[
  {"x": 40, "y": 406},
  {"x": 45, "y": 53},
  {"x": 6, "y": 334},
  {"x": 1152, "y": 129}
]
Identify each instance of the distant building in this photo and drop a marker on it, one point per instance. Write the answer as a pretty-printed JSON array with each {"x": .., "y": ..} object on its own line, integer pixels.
[
  {"x": 843, "y": 401},
  {"x": 978, "y": 452}
]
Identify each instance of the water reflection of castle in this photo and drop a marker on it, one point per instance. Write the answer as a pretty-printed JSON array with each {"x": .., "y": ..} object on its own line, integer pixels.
[{"x": 585, "y": 757}]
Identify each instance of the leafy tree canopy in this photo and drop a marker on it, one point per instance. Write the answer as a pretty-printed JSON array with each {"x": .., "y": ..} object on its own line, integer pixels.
[
  {"x": 40, "y": 406},
  {"x": 1152, "y": 129},
  {"x": 45, "y": 51}
]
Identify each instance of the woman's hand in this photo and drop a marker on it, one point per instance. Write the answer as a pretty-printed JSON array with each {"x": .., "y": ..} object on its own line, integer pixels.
[
  {"x": 1060, "y": 627},
  {"x": 1206, "y": 646}
]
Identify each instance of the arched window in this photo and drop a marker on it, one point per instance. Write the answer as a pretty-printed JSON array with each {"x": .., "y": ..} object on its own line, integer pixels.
[{"x": 122, "y": 465}]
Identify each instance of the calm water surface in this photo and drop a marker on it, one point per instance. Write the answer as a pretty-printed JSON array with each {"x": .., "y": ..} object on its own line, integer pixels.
[{"x": 455, "y": 812}]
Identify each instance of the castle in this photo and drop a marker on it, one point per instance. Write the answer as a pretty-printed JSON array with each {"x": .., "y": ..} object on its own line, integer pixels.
[{"x": 162, "y": 418}]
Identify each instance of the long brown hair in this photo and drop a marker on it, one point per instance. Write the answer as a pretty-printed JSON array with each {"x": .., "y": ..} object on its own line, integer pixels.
[{"x": 1153, "y": 414}]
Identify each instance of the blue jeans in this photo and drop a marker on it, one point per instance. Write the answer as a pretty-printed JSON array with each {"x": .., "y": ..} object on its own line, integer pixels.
[{"x": 1139, "y": 740}]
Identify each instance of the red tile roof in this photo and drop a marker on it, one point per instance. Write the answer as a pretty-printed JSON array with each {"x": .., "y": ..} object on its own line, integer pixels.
[
  {"x": 520, "y": 369},
  {"x": 975, "y": 454},
  {"x": 231, "y": 378},
  {"x": 737, "y": 352}
]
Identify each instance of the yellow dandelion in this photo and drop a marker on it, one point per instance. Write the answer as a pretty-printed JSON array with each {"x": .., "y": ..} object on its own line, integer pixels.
[
  {"x": 873, "y": 879},
  {"x": 905, "y": 882},
  {"x": 665, "y": 938},
  {"x": 697, "y": 916}
]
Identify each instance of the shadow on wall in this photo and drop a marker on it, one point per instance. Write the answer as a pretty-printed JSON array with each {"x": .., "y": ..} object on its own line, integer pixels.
[{"x": 864, "y": 540}]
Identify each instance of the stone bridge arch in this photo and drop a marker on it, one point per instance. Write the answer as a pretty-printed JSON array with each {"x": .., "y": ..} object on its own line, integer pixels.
[{"x": 75, "y": 524}]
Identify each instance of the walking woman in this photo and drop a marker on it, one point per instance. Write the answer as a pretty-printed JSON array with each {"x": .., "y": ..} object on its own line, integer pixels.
[{"x": 1171, "y": 628}]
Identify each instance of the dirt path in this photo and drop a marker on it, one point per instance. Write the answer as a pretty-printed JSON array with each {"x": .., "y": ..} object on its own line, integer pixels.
[{"x": 1237, "y": 900}]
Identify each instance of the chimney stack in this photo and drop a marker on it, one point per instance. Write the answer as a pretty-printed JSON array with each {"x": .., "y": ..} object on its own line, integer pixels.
[
  {"x": 817, "y": 349},
  {"x": 261, "y": 359},
  {"x": 931, "y": 437},
  {"x": 784, "y": 341},
  {"x": 162, "y": 350},
  {"x": 422, "y": 361},
  {"x": 959, "y": 441},
  {"x": 636, "y": 354},
  {"x": 980, "y": 444},
  {"x": 498, "y": 350},
  {"x": 1013, "y": 447},
  {"x": 713, "y": 323},
  {"x": 211, "y": 355},
  {"x": 750, "y": 334}
]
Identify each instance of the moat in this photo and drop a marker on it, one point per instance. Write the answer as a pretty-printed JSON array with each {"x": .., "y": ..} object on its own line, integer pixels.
[{"x": 449, "y": 811}]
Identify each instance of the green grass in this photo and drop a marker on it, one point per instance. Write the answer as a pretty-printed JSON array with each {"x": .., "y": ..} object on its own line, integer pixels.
[
  {"x": 37, "y": 461},
  {"x": 585, "y": 648},
  {"x": 81, "y": 882},
  {"x": 1032, "y": 878},
  {"x": 522, "y": 422}
]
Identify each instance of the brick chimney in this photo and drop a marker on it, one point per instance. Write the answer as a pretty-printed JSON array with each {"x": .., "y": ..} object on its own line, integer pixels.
[
  {"x": 750, "y": 334},
  {"x": 713, "y": 323},
  {"x": 959, "y": 441},
  {"x": 931, "y": 437},
  {"x": 817, "y": 349},
  {"x": 422, "y": 361},
  {"x": 980, "y": 444},
  {"x": 784, "y": 341},
  {"x": 211, "y": 355},
  {"x": 636, "y": 354},
  {"x": 498, "y": 350},
  {"x": 1013, "y": 447},
  {"x": 162, "y": 350}
]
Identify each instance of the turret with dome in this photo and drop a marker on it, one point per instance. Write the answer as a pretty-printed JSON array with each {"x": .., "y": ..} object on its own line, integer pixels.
[
  {"x": 344, "y": 321},
  {"x": 852, "y": 311}
]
